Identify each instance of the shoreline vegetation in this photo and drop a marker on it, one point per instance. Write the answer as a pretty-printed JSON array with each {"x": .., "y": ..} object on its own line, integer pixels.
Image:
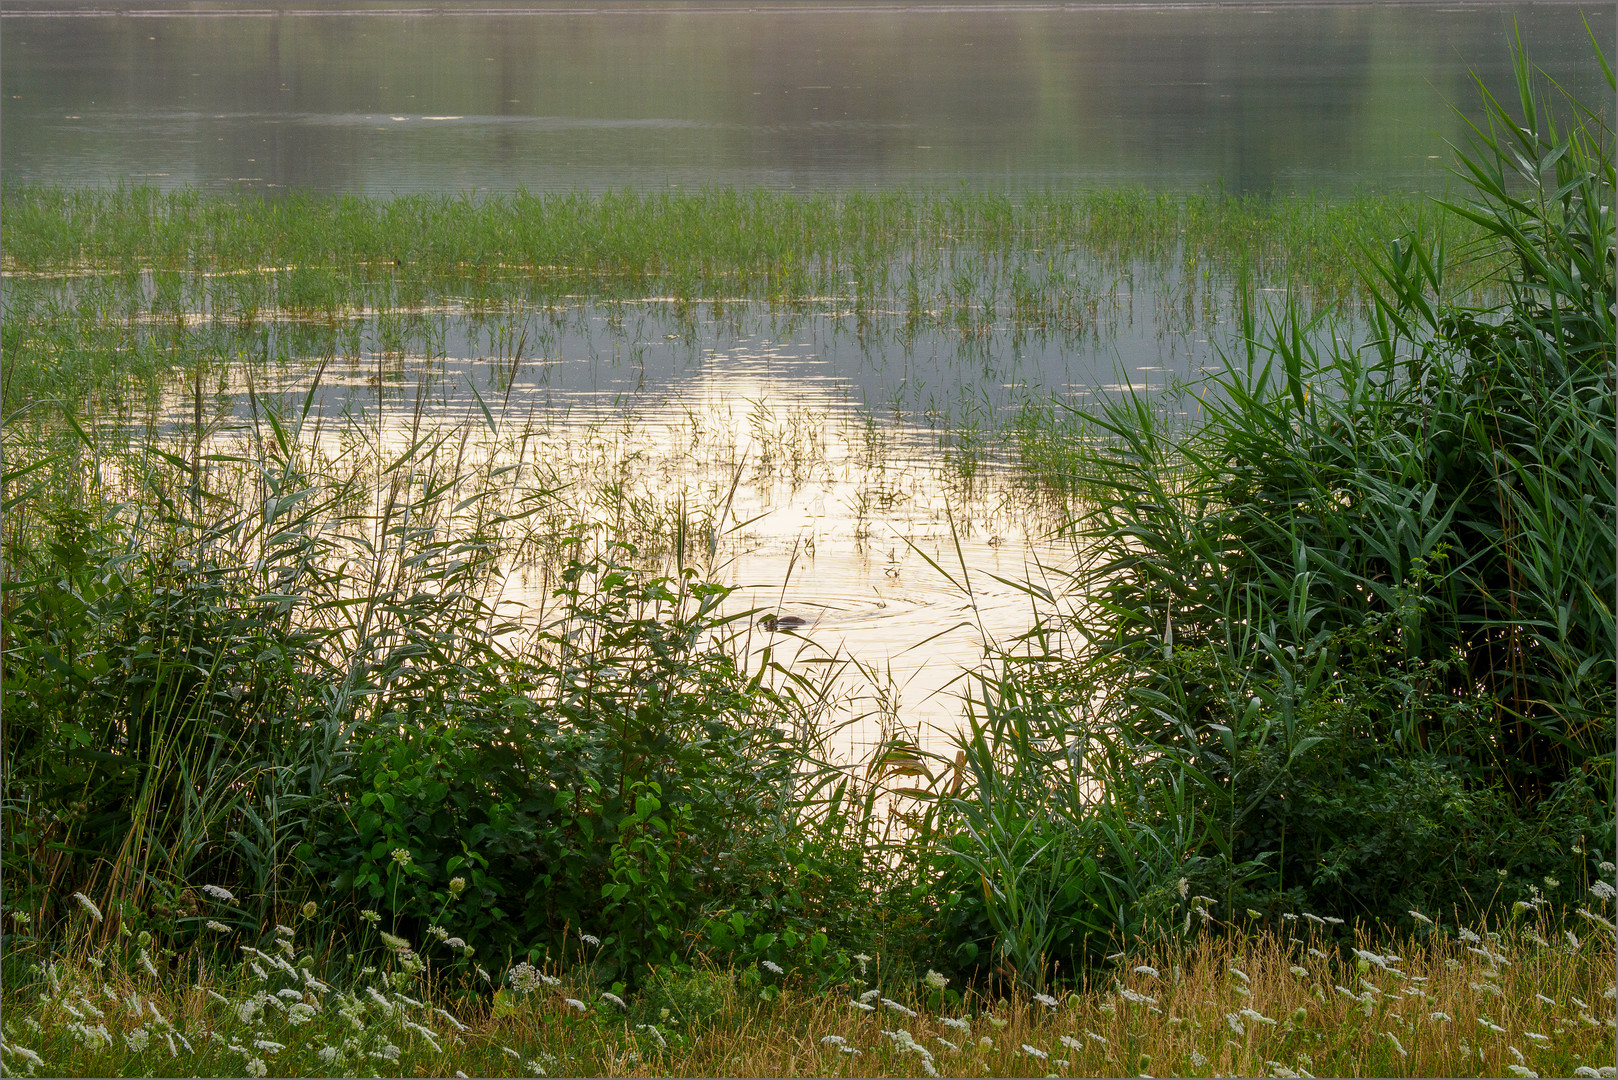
[{"x": 1316, "y": 779}]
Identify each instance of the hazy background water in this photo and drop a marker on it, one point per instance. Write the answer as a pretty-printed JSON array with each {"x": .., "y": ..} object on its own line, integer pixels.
[{"x": 379, "y": 98}]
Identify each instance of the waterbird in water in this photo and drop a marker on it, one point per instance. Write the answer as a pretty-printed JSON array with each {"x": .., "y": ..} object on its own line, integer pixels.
[{"x": 783, "y": 622}]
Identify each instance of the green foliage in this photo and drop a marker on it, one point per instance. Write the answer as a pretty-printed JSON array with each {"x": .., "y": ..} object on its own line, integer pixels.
[{"x": 600, "y": 788}]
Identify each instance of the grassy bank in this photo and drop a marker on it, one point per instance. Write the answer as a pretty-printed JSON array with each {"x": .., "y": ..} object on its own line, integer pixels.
[
  {"x": 1254, "y": 1002},
  {"x": 1336, "y": 673}
]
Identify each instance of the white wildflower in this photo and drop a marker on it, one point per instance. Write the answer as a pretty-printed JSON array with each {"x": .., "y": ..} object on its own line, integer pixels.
[
  {"x": 898, "y": 1008},
  {"x": 590, "y": 940},
  {"x": 33, "y": 1059},
  {"x": 426, "y": 1034},
  {"x": 1046, "y": 1000},
  {"x": 955, "y": 1022},
  {"x": 1098, "y": 1038},
  {"x": 84, "y": 902},
  {"x": 137, "y": 1039},
  {"x": 870, "y": 995},
  {"x": 862, "y": 1006},
  {"x": 935, "y": 979},
  {"x": 575, "y": 1003},
  {"x": 456, "y": 1023},
  {"x": 1397, "y": 1045},
  {"x": 1234, "y": 1020},
  {"x": 1521, "y": 1070},
  {"x": 833, "y": 1040},
  {"x": 1034, "y": 1051},
  {"x": 1070, "y": 1042},
  {"x": 614, "y": 998},
  {"x": 1147, "y": 970},
  {"x": 946, "y": 1043},
  {"x": 1372, "y": 958},
  {"x": 219, "y": 893},
  {"x": 255, "y": 1067},
  {"x": 300, "y": 1014},
  {"x": 772, "y": 967}
]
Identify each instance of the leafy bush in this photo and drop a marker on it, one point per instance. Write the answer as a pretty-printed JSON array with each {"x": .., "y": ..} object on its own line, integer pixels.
[{"x": 598, "y": 787}]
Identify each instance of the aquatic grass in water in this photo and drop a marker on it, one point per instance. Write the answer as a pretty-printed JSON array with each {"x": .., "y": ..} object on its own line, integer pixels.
[{"x": 108, "y": 285}]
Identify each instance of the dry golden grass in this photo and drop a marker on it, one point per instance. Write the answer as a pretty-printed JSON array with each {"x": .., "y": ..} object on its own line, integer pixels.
[{"x": 1519, "y": 1002}]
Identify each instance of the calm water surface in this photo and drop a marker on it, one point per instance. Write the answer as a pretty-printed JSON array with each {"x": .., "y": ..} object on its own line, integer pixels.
[{"x": 393, "y": 97}]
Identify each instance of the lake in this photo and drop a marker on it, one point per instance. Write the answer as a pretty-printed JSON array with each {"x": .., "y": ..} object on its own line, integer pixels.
[
  {"x": 840, "y": 465},
  {"x": 390, "y": 97}
]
